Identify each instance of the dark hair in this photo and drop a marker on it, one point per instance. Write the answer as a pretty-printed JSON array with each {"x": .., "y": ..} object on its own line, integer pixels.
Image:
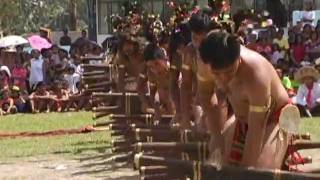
[
  {"x": 179, "y": 36},
  {"x": 220, "y": 49},
  {"x": 153, "y": 52},
  {"x": 200, "y": 22},
  {"x": 39, "y": 84}
]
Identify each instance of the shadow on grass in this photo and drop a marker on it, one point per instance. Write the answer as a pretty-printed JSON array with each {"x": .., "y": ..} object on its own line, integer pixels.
[
  {"x": 97, "y": 142},
  {"x": 101, "y": 149},
  {"x": 107, "y": 167}
]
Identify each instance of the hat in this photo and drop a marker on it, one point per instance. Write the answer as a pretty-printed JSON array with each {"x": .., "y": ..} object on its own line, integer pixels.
[
  {"x": 306, "y": 71},
  {"x": 317, "y": 62},
  {"x": 15, "y": 88},
  {"x": 6, "y": 69}
]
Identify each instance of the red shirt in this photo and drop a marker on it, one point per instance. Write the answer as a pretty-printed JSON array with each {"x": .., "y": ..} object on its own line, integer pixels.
[
  {"x": 299, "y": 52},
  {"x": 20, "y": 76}
]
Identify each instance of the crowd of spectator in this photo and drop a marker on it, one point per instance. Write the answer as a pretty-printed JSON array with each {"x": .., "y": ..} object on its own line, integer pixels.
[{"x": 45, "y": 80}]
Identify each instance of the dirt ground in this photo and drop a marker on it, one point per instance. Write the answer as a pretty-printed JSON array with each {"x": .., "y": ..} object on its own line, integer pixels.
[
  {"x": 86, "y": 167},
  {"x": 54, "y": 167}
]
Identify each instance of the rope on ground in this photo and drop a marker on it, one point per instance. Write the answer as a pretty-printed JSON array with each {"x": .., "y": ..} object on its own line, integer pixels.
[{"x": 58, "y": 132}]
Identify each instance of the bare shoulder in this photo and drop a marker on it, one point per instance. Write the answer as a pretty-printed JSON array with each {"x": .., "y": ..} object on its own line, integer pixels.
[{"x": 256, "y": 67}]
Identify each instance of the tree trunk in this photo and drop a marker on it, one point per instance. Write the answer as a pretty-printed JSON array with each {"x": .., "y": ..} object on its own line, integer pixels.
[{"x": 73, "y": 18}]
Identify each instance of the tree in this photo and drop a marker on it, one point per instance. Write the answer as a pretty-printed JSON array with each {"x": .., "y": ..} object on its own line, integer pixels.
[{"x": 25, "y": 16}]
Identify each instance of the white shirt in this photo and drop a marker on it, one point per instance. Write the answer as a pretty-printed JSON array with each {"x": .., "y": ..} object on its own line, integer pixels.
[
  {"x": 302, "y": 94},
  {"x": 275, "y": 57},
  {"x": 36, "y": 71},
  {"x": 72, "y": 80}
]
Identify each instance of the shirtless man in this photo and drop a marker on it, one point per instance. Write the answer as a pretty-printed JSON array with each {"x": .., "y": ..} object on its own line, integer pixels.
[
  {"x": 198, "y": 85},
  {"x": 129, "y": 59},
  {"x": 180, "y": 37},
  {"x": 157, "y": 73},
  {"x": 40, "y": 99},
  {"x": 256, "y": 95}
]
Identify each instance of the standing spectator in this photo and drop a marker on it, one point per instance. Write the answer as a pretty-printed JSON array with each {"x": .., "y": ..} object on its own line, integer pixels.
[
  {"x": 55, "y": 55},
  {"x": 19, "y": 74},
  {"x": 81, "y": 41},
  {"x": 36, "y": 69},
  {"x": 65, "y": 40},
  {"x": 297, "y": 50},
  {"x": 308, "y": 95}
]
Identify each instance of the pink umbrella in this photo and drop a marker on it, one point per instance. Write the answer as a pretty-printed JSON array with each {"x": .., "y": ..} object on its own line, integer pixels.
[{"x": 37, "y": 42}]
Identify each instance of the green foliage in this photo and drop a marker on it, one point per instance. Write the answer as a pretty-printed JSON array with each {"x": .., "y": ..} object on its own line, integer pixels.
[{"x": 25, "y": 16}]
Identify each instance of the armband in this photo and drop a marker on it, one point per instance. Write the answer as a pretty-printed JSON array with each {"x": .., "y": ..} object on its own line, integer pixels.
[
  {"x": 186, "y": 67},
  {"x": 142, "y": 75}
]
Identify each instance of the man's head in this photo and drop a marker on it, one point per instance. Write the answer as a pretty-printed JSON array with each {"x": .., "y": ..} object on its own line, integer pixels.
[
  {"x": 6, "y": 93},
  {"x": 155, "y": 58},
  {"x": 129, "y": 47},
  {"x": 279, "y": 72},
  {"x": 55, "y": 49},
  {"x": 83, "y": 33},
  {"x": 200, "y": 23},
  {"x": 65, "y": 31},
  {"x": 40, "y": 87},
  {"x": 221, "y": 51},
  {"x": 35, "y": 53},
  {"x": 308, "y": 80},
  {"x": 280, "y": 33}
]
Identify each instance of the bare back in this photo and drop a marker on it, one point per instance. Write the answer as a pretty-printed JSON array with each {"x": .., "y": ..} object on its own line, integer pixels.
[{"x": 254, "y": 67}]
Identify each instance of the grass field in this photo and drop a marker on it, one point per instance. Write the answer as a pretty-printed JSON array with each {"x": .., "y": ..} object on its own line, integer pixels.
[
  {"x": 71, "y": 145},
  {"x": 66, "y": 144}
]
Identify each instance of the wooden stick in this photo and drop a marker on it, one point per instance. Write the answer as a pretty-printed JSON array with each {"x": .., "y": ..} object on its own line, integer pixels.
[
  {"x": 305, "y": 145},
  {"x": 196, "y": 170},
  {"x": 94, "y": 73}
]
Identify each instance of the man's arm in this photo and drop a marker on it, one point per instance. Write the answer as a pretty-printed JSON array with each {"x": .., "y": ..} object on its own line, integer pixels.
[
  {"x": 215, "y": 107},
  {"x": 258, "y": 93},
  {"x": 174, "y": 87},
  {"x": 11, "y": 104},
  {"x": 186, "y": 92},
  {"x": 142, "y": 87}
]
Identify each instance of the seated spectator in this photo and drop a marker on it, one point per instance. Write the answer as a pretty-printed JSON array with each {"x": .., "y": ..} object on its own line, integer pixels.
[
  {"x": 281, "y": 41},
  {"x": 19, "y": 101},
  {"x": 72, "y": 79},
  {"x": 19, "y": 75},
  {"x": 59, "y": 98},
  {"x": 40, "y": 99},
  {"x": 317, "y": 65},
  {"x": 313, "y": 42},
  {"x": 308, "y": 95},
  {"x": 5, "y": 75},
  {"x": 306, "y": 32},
  {"x": 286, "y": 82},
  {"x": 298, "y": 51},
  {"x": 276, "y": 54},
  {"x": 263, "y": 46},
  {"x": 7, "y": 104}
]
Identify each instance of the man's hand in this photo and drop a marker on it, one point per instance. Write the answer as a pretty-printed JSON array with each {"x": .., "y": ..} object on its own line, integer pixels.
[{"x": 217, "y": 149}]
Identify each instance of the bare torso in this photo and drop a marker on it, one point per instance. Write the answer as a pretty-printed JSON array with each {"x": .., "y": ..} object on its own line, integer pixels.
[{"x": 254, "y": 66}]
